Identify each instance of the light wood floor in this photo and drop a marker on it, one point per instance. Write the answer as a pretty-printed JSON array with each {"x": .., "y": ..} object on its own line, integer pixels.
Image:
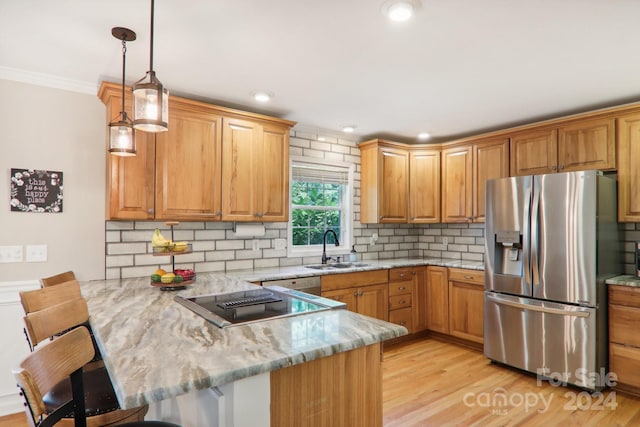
[{"x": 431, "y": 383}]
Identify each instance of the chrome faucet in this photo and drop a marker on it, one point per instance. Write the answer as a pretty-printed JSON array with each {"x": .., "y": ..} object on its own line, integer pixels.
[{"x": 326, "y": 258}]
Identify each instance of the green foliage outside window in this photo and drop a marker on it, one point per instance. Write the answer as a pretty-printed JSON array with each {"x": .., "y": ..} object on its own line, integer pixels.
[{"x": 316, "y": 207}]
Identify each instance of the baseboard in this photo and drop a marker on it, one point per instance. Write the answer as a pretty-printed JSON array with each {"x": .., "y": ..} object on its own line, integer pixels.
[
  {"x": 11, "y": 404},
  {"x": 10, "y": 291}
]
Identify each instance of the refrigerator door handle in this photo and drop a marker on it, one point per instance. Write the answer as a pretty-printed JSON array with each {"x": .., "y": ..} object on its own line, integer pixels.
[
  {"x": 538, "y": 308},
  {"x": 535, "y": 232},
  {"x": 526, "y": 250}
]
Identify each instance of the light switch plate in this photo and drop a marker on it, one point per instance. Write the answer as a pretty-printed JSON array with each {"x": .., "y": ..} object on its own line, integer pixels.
[
  {"x": 36, "y": 253},
  {"x": 10, "y": 254}
]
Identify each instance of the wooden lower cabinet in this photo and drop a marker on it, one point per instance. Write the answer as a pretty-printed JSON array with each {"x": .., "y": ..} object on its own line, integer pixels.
[
  {"x": 466, "y": 304},
  {"x": 401, "y": 297},
  {"x": 624, "y": 342},
  {"x": 437, "y": 296},
  {"x": 340, "y": 390},
  {"x": 364, "y": 292}
]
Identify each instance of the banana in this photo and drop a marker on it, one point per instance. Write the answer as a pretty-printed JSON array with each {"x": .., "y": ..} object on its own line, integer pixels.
[
  {"x": 180, "y": 246},
  {"x": 158, "y": 240}
]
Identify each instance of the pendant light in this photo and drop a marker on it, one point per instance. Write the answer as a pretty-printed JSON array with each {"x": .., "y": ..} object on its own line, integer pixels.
[
  {"x": 150, "y": 98},
  {"x": 122, "y": 140}
]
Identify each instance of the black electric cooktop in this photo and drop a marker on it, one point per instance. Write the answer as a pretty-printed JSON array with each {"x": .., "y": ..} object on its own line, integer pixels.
[{"x": 237, "y": 308}]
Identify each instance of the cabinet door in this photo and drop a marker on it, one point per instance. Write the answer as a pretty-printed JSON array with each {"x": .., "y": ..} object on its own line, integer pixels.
[
  {"x": 420, "y": 300},
  {"x": 273, "y": 196},
  {"x": 490, "y": 161},
  {"x": 239, "y": 171},
  {"x": 393, "y": 185},
  {"x": 424, "y": 186},
  {"x": 131, "y": 182},
  {"x": 456, "y": 184},
  {"x": 373, "y": 301},
  {"x": 466, "y": 310},
  {"x": 348, "y": 296},
  {"x": 587, "y": 144},
  {"x": 628, "y": 171},
  {"x": 188, "y": 160},
  {"x": 437, "y": 300},
  {"x": 534, "y": 152}
]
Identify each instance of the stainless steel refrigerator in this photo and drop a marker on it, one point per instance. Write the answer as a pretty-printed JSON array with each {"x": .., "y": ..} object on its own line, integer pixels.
[{"x": 550, "y": 243}]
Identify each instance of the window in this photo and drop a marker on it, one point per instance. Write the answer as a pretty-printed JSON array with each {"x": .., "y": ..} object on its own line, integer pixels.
[{"x": 321, "y": 200}]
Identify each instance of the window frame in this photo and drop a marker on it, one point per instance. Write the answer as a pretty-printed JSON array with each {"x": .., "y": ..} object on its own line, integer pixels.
[{"x": 346, "y": 214}]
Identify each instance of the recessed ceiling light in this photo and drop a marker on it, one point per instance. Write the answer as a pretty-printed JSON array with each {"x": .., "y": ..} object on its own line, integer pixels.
[
  {"x": 262, "y": 96},
  {"x": 349, "y": 129},
  {"x": 322, "y": 138},
  {"x": 400, "y": 10},
  {"x": 423, "y": 136}
]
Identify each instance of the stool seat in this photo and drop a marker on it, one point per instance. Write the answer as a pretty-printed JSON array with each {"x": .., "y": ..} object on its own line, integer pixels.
[{"x": 98, "y": 393}]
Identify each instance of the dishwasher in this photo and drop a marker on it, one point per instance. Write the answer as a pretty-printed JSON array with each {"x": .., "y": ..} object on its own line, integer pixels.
[{"x": 310, "y": 285}]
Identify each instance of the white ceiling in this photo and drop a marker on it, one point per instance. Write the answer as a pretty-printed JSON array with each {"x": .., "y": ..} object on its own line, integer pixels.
[{"x": 457, "y": 68}]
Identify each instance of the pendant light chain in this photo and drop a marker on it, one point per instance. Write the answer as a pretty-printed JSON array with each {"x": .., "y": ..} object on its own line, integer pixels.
[{"x": 124, "y": 60}]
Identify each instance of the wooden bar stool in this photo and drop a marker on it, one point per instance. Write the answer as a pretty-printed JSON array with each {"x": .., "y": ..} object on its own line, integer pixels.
[
  {"x": 101, "y": 404},
  {"x": 57, "y": 279},
  {"x": 61, "y": 360}
]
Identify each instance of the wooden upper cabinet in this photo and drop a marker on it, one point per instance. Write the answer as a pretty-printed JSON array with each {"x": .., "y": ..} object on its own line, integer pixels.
[
  {"x": 534, "y": 152},
  {"x": 490, "y": 161},
  {"x": 177, "y": 175},
  {"x": 457, "y": 185},
  {"x": 188, "y": 160},
  {"x": 384, "y": 185},
  {"x": 273, "y": 186},
  {"x": 575, "y": 146},
  {"x": 255, "y": 171},
  {"x": 587, "y": 144},
  {"x": 628, "y": 129},
  {"x": 424, "y": 186},
  {"x": 130, "y": 180}
]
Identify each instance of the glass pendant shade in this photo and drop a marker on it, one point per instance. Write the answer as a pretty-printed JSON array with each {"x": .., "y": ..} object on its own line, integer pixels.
[
  {"x": 150, "y": 104},
  {"x": 122, "y": 141}
]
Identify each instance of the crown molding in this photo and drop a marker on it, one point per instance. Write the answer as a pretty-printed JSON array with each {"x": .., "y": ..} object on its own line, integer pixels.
[{"x": 47, "y": 80}]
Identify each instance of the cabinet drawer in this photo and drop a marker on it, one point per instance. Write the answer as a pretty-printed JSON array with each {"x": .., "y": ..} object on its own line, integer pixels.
[
  {"x": 623, "y": 322},
  {"x": 401, "y": 274},
  {"x": 625, "y": 363},
  {"x": 351, "y": 280},
  {"x": 624, "y": 295},
  {"x": 402, "y": 317},
  {"x": 399, "y": 301},
  {"x": 399, "y": 288},
  {"x": 464, "y": 275}
]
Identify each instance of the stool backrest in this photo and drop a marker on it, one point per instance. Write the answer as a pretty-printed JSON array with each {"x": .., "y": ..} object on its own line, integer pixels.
[
  {"x": 46, "y": 297},
  {"x": 57, "y": 279},
  {"x": 46, "y": 367},
  {"x": 44, "y": 324}
]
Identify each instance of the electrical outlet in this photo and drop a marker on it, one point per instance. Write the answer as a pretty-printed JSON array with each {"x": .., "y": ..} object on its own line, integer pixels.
[
  {"x": 445, "y": 241},
  {"x": 36, "y": 253},
  {"x": 10, "y": 254}
]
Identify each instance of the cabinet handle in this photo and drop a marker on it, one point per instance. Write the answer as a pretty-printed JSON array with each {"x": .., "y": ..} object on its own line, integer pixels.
[
  {"x": 219, "y": 213},
  {"x": 402, "y": 274},
  {"x": 553, "y": 167},
  {"x": 402, "y": 302},
  {"x": 560, "y": 167},
  {"x": 412, "y": 218},
  {"x": 413, "y": 273},
  {"x": 401, "y": 288},
  {"x": 355, "y": 294},
  {"x": 381, "y": 217},
  {"x": 468, "y": 277},
  {"x": 360, "y": 294},
  {"x": 402, "y": 323},
  {"x": 150, "y": 210}
]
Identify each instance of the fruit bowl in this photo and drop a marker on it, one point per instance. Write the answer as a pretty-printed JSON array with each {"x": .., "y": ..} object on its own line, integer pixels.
[{"x": 179, "y": 279}]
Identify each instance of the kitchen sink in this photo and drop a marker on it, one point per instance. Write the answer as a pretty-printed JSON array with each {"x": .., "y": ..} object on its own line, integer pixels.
[{"x": 336, "y": 265}]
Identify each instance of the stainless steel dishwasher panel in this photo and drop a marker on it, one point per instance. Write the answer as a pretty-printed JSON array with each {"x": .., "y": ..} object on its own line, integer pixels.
[{"x": 310, "y": 285}]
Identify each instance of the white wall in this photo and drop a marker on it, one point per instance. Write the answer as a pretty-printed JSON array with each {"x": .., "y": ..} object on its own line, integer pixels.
[{"x": 52, "y": 129}]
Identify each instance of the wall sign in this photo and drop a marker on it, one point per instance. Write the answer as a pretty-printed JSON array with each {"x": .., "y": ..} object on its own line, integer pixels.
[{"x": 36, "y": 190}]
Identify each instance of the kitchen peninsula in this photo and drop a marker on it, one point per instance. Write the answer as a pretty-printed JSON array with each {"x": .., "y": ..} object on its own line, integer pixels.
[{"x": 300, "y": 370}]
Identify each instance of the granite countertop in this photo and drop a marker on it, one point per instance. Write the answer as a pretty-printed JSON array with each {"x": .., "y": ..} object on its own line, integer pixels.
[
  {"x": 154, "y": 348},
  {"x": 277, "y": 273},
  {"x": 625, "y": 280}
]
